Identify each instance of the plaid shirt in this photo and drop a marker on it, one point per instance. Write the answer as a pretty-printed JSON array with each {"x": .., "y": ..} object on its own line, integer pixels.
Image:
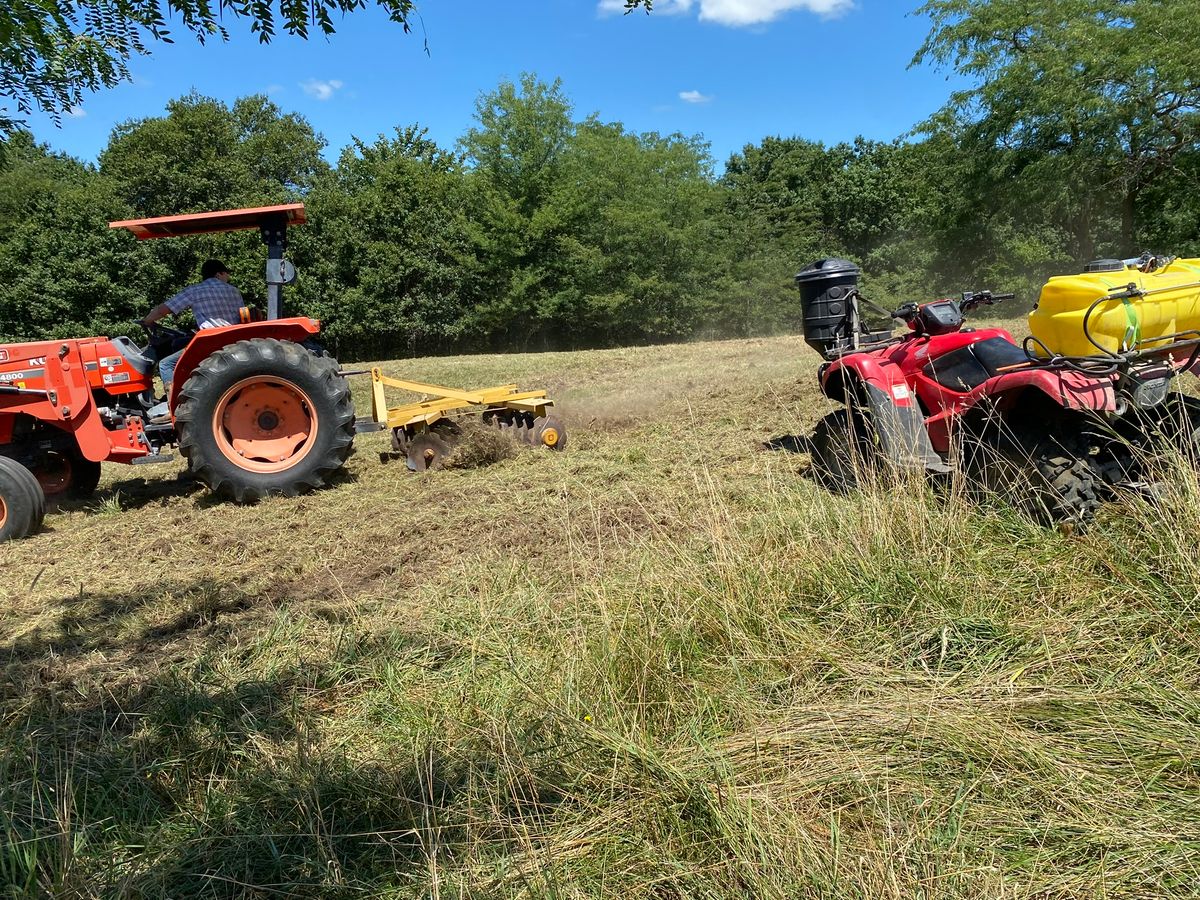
[{"x": 213, "y": 302}]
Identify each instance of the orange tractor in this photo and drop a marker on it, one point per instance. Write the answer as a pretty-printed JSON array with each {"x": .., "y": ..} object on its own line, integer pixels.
[{"x": 256, "y": 408}]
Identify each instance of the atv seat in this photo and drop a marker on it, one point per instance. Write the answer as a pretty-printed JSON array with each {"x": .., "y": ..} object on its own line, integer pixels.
[{"x": 968, "y": 367}]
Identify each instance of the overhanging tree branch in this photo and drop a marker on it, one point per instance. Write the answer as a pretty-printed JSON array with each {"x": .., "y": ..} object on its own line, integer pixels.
[{"x": 52, "y": 52}]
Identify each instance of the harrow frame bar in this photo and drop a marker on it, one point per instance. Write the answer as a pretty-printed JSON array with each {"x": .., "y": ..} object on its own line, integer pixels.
[{"x": 441, "y": 402}]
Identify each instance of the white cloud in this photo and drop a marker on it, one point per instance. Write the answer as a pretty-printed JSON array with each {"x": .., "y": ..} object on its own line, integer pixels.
[
  {"x": 76, "y": 112},
  {"x": 322, "y": 90},
  {"x": 756, "y": 12},
  {"x": 694, "y": 97},
  {"x": 739, "y": 12},
  {"x": 273, "y": 89}
]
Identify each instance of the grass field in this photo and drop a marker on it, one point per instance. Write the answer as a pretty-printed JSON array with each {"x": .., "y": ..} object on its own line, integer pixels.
[{"x": 661, "y": 664}]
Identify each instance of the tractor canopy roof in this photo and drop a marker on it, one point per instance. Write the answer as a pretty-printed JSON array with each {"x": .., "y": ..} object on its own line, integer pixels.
[{"x": 214, "y": 222}]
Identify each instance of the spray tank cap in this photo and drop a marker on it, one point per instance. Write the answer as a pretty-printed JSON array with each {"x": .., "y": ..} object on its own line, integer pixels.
[{"x": 1104, "y": 265}]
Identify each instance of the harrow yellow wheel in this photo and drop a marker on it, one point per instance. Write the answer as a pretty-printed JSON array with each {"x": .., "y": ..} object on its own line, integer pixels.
[{"x": 549, "y": 432}]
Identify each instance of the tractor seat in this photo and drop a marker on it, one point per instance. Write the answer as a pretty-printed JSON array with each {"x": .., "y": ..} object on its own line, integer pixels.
[
  {"x": 968, "y": 367},
  {"x": 134, "y": 356}
]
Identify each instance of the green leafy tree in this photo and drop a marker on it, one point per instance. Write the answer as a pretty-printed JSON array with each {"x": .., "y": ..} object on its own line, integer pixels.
[
  {"x": 515, "y": 155},
  {"x": 63, "y": 272},
  {"x": 520, "y": 138},
  {"x": 387, "y": 258},
  {"x": 635, "y": 254},
  {"x": 203, "y": 155},
  {"x": 1097, "y": 97},
  {"x": 586, "y": 233},
  {"x": 791, "y": 201}
]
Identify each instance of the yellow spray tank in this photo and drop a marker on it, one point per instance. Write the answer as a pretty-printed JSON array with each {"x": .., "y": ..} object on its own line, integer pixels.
[{"x": 1142, "y": 311}]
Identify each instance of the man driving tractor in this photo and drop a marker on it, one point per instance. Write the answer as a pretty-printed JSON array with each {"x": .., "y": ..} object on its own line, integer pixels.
[{"x": 213, "y": 301}]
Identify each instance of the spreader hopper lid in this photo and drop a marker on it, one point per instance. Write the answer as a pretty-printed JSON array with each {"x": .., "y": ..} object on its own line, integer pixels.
[{"x": 213, "y": 222}]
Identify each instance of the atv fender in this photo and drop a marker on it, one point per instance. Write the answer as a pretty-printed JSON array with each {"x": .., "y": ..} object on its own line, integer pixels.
[
  {"x": 879, "y": 387},
  {"x": 1070, "y": 390}
]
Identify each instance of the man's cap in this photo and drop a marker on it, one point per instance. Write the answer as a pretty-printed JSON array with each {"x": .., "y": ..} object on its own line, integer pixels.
[{"x": 212, "y": 268}]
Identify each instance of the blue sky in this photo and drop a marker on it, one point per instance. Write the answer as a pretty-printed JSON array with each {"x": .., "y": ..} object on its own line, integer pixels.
[{"x": 734, "y": 71}]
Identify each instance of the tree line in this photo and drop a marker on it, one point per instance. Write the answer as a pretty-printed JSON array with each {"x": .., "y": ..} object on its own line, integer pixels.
[{"x": 541, "y": 229}]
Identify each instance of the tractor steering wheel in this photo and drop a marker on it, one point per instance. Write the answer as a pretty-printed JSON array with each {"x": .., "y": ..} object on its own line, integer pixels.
[
  {"x": 156, "y": 333},
  {"x": 162, "y": 340}
]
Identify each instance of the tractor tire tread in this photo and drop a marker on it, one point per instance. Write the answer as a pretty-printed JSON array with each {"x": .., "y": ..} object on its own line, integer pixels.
[
  {"x": 219, "y": 371},
  {"x": 23, "y": 498}
]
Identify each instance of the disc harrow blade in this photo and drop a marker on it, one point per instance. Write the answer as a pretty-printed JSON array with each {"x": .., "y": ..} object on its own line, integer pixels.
[{"x": 427, "y": 452}]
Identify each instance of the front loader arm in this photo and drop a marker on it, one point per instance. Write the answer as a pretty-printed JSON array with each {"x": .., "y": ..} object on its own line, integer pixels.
[{"x": 48, "y": 381}]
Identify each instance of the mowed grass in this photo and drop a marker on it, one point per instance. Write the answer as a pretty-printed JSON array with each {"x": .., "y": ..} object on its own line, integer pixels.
[{"x": 663, "y": 663}]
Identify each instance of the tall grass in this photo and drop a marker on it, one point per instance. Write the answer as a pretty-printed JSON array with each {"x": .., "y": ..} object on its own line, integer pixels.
[{"x": 694, "y": 673}]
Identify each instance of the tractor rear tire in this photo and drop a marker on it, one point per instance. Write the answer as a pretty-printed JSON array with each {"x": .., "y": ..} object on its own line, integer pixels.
[
  {"x": 22, "y": 503},
  {"x": 263, "y": 417}
]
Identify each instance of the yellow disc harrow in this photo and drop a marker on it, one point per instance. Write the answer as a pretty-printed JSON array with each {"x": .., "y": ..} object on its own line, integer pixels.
[{"x": 425, "y": 430}]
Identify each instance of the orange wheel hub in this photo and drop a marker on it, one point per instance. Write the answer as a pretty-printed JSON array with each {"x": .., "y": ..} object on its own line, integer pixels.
[
  {"x": 3, "y": 512},
  {"x": 265, "y": 424},
  {"x": 54, "y": 472}
]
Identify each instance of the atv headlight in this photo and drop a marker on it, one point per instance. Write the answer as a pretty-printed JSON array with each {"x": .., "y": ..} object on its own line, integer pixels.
[{"x": 1150, "y": 393}]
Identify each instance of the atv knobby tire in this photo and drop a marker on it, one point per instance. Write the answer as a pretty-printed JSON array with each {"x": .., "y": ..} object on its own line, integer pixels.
[
  {"x": 265, "y": 417},
  {"x": 1049, "y": 478},
  {"x": 844, "y": 451},
  {"x": 22, "y": 503}
]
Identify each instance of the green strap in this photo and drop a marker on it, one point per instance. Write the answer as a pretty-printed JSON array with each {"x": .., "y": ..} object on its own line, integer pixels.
[{"x": 1133, "y": 332}]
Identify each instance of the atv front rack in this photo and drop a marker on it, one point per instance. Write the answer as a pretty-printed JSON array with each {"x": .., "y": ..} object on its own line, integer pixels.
[{"x": 1119, "y": 363}]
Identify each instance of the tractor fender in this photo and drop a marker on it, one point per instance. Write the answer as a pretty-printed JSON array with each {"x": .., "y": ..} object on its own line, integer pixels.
[
  {"x": 209, "y": 340},
  {"x": 1065, "y": 388},
  {"x": 878, "y": 387}
]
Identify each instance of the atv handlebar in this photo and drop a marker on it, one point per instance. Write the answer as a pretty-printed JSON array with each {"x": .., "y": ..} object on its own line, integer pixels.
[{"x": 970, "y": 300}]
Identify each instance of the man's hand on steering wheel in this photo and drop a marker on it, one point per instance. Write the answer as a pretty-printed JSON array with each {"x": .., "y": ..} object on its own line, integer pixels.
[{"x": 162, "y": 340}]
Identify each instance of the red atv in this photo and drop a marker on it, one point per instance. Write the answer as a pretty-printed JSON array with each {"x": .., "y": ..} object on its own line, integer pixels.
[
  {"x": 256, "y": 408},
  {"x": 1051, "y": 437}
]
